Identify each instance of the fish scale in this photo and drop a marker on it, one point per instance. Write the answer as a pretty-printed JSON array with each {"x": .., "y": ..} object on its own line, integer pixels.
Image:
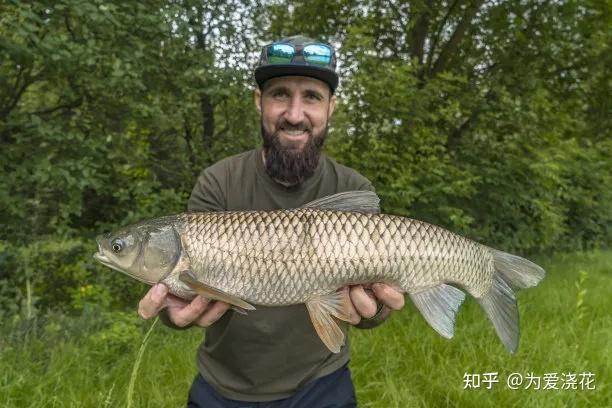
[
  {"x": 285, "y": 257},
  {"x": 316, "y": 251}
]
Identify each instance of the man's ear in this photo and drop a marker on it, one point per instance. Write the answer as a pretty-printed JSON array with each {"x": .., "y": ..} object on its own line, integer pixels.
[
  {"x": 257, "y": 96},
  {"x": 332, "y": 106}
]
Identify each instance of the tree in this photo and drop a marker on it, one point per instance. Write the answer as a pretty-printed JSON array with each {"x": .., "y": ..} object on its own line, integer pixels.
[{"x": 464, "y": 113}]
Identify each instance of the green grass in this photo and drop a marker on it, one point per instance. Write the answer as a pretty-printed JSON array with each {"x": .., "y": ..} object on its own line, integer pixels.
[{"x": 91, "y": 360}]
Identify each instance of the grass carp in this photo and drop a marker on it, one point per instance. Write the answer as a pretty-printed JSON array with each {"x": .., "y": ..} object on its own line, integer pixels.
[{"x": 304, "y": 255}]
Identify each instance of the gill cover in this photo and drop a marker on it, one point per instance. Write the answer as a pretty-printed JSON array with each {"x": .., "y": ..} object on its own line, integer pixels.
[{"x": 160, "y": 252}]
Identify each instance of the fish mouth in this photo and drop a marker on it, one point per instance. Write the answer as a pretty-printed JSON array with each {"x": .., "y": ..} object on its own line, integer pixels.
[
  {"x": 103, "y": 259},
  {"x": 100, "y": 257}
]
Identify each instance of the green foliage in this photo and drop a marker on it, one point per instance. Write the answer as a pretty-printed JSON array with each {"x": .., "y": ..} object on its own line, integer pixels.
[
  {"x": 100, "y": 111},
  {"x": 119, "y": 335},
  {"x": 59, "y": 275},
  {"x": 484, "y": 121},
  {"x": 488, "y": 118},
  {"x": 101, "y": 125}
]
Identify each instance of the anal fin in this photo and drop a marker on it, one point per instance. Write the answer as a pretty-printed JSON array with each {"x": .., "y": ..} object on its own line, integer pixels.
[
  {"x": 439, "y": 306},
  {"x": 322, "y": 310},
  {"x": 208, "y": 291}
]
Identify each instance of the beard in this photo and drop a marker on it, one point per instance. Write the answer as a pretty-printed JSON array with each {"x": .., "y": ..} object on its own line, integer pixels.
[{"x": 288, "y": 164}]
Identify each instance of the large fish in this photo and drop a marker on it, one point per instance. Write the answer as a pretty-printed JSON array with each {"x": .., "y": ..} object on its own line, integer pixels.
[{"x": 304, "y": 255}]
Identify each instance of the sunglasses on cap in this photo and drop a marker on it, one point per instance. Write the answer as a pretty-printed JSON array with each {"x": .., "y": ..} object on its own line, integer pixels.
[{"x": 314, "y": 54}]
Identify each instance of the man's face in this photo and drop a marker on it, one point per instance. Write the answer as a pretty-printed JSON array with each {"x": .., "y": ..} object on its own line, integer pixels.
[{"x": 294, "y": 115}]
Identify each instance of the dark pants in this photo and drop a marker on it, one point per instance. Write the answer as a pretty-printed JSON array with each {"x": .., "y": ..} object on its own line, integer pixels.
[{"x": 331, "y": 391}]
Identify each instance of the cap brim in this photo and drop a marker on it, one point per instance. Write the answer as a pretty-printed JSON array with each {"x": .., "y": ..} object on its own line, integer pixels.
[{"x": 262, "y": 74}]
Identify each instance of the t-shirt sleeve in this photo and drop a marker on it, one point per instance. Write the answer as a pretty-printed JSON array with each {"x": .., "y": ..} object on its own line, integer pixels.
[
  {"x": 367, "y": 186},
  {"x": 358, "y": 182},
  {"x": 208, "y": 193}
]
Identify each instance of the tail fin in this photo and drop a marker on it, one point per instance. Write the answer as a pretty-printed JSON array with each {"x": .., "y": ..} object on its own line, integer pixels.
[
  {"x": 519, "y": 272},
  {"x": 499, "y": 302}
]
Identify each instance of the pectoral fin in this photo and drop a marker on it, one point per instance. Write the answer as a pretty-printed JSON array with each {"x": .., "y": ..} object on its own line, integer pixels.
[
  {"x": 322, "y": 310},
  {"x": 207, "y": 291}
]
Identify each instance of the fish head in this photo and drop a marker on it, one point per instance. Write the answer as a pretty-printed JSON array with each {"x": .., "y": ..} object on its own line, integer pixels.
[{"x": 147, "y": 251}]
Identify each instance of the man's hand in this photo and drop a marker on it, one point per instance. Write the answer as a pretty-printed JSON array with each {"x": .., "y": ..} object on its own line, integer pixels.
[
  {"x": 365, "y": 300},
  {"x": 200, "y": 311}
]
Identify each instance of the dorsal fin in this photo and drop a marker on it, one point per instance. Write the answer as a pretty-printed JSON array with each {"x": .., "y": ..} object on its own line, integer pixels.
[{"x": 357, "y": 201}]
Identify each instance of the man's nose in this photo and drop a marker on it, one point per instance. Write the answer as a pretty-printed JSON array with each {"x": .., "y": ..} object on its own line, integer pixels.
[{"x": 295, "y": 111}]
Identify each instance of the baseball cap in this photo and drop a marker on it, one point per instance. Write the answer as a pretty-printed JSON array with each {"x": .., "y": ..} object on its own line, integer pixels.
[{"x": 298, "y": 55}]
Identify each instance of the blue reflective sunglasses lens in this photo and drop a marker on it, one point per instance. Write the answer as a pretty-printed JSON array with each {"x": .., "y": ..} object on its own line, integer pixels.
[
  {"x": 317, "y": 54},
  {"x": 280, "y": 53}
]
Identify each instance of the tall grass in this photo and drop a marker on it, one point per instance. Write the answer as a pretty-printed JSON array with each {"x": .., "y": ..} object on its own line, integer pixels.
[
  {"x": 94, "y": 360},
  {"x": 134, "y": 375},
  {"x": 566, "y": 326}
]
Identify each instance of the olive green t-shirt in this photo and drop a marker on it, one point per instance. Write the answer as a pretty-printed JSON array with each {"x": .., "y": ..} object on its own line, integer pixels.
[{"x": 273, "y": 351}]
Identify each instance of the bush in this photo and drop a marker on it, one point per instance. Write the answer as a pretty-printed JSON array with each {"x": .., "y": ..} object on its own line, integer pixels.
[{"x": 61, "y": 275}]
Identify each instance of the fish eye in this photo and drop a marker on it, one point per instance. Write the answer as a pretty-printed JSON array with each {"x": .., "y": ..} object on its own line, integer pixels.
[{"x": 117, "y": 245}]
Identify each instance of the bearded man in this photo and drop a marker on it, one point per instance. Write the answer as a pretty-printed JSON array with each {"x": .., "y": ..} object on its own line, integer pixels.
[{"x": 273, "y": 357}]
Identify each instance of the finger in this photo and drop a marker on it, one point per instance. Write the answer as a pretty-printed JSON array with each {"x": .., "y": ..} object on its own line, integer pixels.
[
  {"x": 175, "y": 302},
  {"x": 368, "y": 290},
  {"x": 364, "y": 304},
  {"x": 388, "y": 296},
  {"x": 212, "y": 314},
  {"x": 183, "y": 316},
  {"x": 150, "y": 305}
]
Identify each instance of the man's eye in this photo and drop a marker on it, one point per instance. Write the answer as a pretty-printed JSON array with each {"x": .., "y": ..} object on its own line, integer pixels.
[
  {"x": 313, "y": 97},
  {"x": 278, "y": 94}
]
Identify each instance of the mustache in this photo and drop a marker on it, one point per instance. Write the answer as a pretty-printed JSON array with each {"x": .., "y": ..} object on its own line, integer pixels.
[{"x": 283, "y": 124}]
